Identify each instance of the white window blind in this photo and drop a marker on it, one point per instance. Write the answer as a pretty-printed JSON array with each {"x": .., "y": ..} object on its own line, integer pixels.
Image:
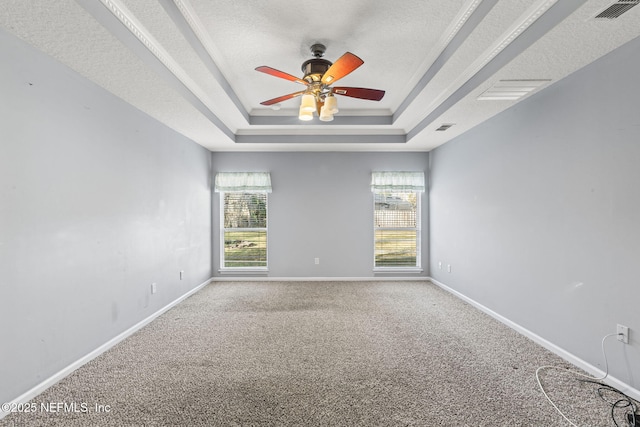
[
  {"x": 244, "y": 230},
  {"x": 243, "y": 219},
  {"x": 396, "y": 219}
]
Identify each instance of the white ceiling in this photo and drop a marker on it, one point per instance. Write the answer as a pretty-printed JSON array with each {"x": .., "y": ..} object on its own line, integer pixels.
[{"x": 191, "y": 63}]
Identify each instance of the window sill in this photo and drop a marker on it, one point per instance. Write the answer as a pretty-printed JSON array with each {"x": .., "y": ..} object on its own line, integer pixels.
[
  {"x": 244, "y": 271},
  {"x": 396, "y": 270}
]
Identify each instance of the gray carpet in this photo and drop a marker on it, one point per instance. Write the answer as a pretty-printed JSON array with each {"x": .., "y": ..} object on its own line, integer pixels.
[{"x": 320, "y": 354}]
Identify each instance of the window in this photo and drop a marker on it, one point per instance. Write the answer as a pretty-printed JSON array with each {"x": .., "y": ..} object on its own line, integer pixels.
[
  {"x": 244, "y": 230},
  {"x": 396, "y": 219},
  {"x": 243, "y": 219},
  {"x": 397, "y": 234}
]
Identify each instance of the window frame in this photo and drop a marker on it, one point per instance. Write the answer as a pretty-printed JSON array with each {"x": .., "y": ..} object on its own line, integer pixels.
[
  {"x": 418, "y": 230},
  {"x": 223, "y": 230}
]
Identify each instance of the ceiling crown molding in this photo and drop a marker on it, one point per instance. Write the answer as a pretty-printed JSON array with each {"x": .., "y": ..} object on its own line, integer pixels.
[
  {"x": 436, "y": 58},
  {"x": 127, "y": 18},
  {"x": 464, "y": 24},
  {"x": 525, "y": 21},
  {"x": 209, "y": 54},
  {"x": 459, "y": 21},
  {"x": 516, "y": 29}
]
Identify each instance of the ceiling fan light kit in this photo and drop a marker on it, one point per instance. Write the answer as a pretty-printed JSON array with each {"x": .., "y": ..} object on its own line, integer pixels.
[
  {"x": 305, "y": 116},
  {"x": 325, "y": 115},
  {"x": 308, "y": 103},
  {"x": 331, "y": 103},
  {"x": 319, "y": 74}
]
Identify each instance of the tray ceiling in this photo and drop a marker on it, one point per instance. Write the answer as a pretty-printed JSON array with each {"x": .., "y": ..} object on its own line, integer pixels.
[{"x": 191, "y": 63}]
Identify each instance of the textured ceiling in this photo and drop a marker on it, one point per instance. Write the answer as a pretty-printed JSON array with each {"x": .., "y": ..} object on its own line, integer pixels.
[{"x": 191, "y": 63}]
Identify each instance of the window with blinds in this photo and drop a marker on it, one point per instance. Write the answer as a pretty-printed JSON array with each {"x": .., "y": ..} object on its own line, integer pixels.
[
  {"x": 397, "y": 229},
  {"x": 396, "y": 221},
  {"x": 244, "y": 228}
]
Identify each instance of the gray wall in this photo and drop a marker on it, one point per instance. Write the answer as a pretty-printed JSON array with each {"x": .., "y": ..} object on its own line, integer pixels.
[
  {"x": 97, "y": 201},
  {"x": 321, "y": 207},
  {"x": 538, "y": 212}
]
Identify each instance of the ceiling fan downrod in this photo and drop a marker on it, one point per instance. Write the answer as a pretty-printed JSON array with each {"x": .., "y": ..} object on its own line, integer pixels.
[
  {"x": 315, "y": 68},
  {"x": 318, "y": 50}
]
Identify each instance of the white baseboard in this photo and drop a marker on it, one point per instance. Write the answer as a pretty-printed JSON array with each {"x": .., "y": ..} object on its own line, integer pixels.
[
  {"x": 319, "y": 279},
  {"x": 569, "y": 357},
  {"x": 30, "y": 394},
  {"x": 614, "y": 382}
]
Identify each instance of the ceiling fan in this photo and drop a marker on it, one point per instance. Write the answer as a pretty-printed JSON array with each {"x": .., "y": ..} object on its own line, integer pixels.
[{"x": 319, "y": 75}]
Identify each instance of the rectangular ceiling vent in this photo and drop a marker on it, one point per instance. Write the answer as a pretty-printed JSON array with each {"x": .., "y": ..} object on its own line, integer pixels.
[
  {"x": 618, "y": 8},
  {"x": 511, "y": 90},
  {"x": 444, "y": 127}
]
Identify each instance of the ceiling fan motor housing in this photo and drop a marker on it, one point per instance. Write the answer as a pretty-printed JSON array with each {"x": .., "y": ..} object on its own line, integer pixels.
[{"x": 315, "y": 68}]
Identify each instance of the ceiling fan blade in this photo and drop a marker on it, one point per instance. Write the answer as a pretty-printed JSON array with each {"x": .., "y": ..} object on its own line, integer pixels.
[
  {"x": 343, "y": 66},
  {"x": 360, "y": 92},
  {"x": 281, "y": 98},
  {"x": 281, "y": 74}
]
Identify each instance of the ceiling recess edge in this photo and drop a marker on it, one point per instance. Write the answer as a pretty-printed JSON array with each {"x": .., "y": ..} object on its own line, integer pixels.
[{"x": 127, "y": 18}]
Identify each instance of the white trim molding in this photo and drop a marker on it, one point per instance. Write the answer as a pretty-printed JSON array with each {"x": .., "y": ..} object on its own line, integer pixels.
[
  {"x": 129, "y": 20},
  {"x": 214, "y": 57},
  {"x": 569, "y": 357},
  {"x": 532, "y": 14},
  {"x": 321, "y": 279},
  {"x": 35, "y": 391}
]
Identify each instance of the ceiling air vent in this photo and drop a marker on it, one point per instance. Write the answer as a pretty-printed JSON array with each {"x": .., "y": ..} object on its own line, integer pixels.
[
  {"x": 444, "y": 127},
  {"x": 618, "y": 8},
  {"x": 511, "y": 90}
]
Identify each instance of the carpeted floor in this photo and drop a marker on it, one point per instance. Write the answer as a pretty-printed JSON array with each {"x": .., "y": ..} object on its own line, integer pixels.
[{"x": 319, "y": 354}]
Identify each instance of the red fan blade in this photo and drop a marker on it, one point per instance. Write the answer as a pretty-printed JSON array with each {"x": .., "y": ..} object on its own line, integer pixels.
[
  {"x": 282, "y": 98},
  {"x": 343, "y": 66},
  {"x": 281, "y": 74},
  {"x": 360, "y": 92}
]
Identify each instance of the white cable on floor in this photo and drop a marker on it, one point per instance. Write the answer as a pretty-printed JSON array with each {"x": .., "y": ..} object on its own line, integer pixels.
[{"x": 606, "y": 373}]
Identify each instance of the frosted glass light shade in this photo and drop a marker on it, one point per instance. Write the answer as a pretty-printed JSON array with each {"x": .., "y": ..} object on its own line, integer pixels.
[
  {"x": 308, "y": 103},
  {"x": 305, "y": 115},
  {"x": 325, "y": 114},
  {"x": 331, "y": 104}
]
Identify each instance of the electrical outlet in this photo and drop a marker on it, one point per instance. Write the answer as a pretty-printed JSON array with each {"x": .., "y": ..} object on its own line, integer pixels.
[
  {"x": 181, "y": 274},
  {"x": 153, "y": 288},
  {"x": 449, "y": 268},
  {"x": 623, "y": 334},
  {"x": 440, "y": 265},
  {"x": 317, "y": 261}
]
